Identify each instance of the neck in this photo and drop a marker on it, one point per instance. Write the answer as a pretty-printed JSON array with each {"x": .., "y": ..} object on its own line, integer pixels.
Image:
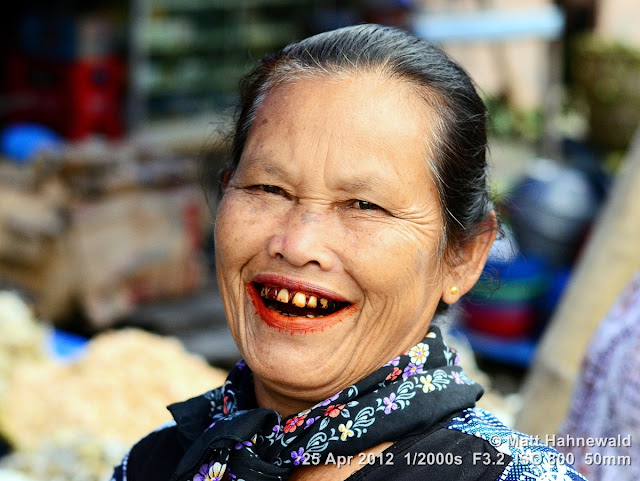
[{"x": 285, "y": 405}]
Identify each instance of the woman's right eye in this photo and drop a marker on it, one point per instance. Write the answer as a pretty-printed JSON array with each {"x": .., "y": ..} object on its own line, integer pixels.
[{"x": 271, "y": 189}]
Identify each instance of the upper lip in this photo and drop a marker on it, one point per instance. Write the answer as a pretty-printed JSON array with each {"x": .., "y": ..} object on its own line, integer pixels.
[{"x": 298, "y": 285}]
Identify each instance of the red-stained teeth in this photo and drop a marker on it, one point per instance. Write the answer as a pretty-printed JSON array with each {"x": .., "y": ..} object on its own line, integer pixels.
[
  {"x": 283, "y": 296},
  {"x": 296, "y": 298},
  {"x": 299, "y": 300}
]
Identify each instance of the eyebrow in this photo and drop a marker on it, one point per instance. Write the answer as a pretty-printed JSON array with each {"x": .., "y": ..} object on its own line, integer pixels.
[
  {"x": 273, "y": 169},
  {"x": 358, "y": 185},
  {"x": 366, "y": 183},
  {"x": 265, "y": 164}
]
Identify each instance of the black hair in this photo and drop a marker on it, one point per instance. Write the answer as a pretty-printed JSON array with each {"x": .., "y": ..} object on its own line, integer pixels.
[{"x": 458, "y": 138}]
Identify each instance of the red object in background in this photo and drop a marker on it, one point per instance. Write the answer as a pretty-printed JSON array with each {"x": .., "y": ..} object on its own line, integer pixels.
[
  {"x": 519, "y": 320},
  {"x": 76, "y": 98}
]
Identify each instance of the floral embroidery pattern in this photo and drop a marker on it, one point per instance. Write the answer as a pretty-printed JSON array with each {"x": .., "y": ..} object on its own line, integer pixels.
[
  {"x": 334, "y": 410},
  {"x": 291, "y": 425},
  {"x": 310, "y": 421},
  {"x": 456, "y": 377},
  {"x": 427, "y": 384},
  {"x": 411, "y": 370},
  {"x": 419, "y": 353},
  {"x": 389, "y": 403},
  {"x": 393, "y": 374},
  {"x": 212, "y": 471},
  {"x": 243, "y": 444},
  {"x": 346, "y": 431},
  {"x": 298, "y": 456}
]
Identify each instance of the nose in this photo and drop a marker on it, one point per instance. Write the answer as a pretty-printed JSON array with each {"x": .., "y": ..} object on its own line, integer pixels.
[{"x": 304, "y": 239}]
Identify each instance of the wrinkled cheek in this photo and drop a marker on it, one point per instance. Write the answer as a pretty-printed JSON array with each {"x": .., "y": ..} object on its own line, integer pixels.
[
  {"x": 233, "y": 251},
  {"x": 224, "y": 234},
  {"x": 394, "y": 269},
  {"x": 381, "y": 260},
  {"x": 239, "y": 232}
]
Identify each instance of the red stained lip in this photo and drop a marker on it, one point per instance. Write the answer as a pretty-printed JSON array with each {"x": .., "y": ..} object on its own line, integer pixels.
[
  {"x": 294, "y": 324},
  {"x": 293, "y": 285}
]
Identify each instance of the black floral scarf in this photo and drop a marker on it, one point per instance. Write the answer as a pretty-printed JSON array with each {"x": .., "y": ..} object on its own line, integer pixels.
[{"x": 225, "y": 431}]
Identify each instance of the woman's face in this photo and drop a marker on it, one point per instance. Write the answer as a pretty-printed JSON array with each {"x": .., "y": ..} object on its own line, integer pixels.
[{"x": 332, "y": 201}]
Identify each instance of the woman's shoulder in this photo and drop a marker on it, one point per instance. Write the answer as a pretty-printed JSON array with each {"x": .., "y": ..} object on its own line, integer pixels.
[
  {"x": 162, "y": 446},
  {"x": 521, "y": 455}
]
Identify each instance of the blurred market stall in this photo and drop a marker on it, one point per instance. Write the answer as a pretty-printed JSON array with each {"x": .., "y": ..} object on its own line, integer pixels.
[{"x": 73, "y": 417}]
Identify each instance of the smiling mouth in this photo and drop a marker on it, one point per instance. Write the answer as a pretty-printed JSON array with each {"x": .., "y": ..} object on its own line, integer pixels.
[{"x": 297, "y": 303}]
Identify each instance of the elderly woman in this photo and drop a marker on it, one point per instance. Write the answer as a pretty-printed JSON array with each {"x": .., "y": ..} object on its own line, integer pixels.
[{"x": 354, "y": 209}]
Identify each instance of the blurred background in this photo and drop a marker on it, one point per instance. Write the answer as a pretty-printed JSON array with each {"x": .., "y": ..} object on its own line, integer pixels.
[{"x": 107, "y": 285}]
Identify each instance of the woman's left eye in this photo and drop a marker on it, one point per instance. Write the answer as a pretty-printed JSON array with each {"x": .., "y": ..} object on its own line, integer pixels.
[{"x": 364, "y": 205}]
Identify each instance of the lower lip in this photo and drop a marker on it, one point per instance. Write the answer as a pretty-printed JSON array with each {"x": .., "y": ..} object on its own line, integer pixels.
[{"x": 294, "y": 324}]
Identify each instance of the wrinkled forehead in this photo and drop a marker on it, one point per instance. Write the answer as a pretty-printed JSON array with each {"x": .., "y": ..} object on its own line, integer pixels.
[
  {"x": 362, "y": 108},
  {"x": 349, "y": 135}
]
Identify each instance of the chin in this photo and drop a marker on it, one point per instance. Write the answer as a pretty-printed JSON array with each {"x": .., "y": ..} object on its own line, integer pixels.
[{"x": 293, "y": 354}]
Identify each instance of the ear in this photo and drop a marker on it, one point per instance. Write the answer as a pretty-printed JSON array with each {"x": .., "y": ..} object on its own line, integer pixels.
[{"x": 465, "y": 273}]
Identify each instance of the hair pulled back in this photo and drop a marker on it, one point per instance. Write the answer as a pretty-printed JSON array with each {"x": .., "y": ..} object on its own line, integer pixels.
[{"x": 458, "y": 140}]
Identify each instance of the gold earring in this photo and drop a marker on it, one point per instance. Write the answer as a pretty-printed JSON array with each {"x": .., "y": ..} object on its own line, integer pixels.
[{"x": 453, "y": 290}]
